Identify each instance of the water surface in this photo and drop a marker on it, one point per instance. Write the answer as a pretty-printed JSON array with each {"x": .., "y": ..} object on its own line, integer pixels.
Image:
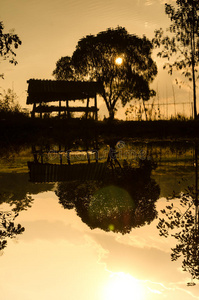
[{"x": 94, "y": 236}]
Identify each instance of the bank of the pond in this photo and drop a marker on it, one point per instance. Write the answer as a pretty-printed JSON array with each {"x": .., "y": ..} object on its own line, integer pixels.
[{"x": 30, "y": 130}]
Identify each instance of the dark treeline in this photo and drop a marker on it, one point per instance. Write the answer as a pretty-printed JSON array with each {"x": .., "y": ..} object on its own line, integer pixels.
[{"x": 21, "y": 129}]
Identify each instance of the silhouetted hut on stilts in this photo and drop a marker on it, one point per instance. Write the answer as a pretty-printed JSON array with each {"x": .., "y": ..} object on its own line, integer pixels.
[{"x": 43, "y": 92}]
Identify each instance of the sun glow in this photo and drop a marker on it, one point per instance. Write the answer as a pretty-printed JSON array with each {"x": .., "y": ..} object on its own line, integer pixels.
[
  {"x": 118, "y": 60},
  {"x": 123, "y": 286}
]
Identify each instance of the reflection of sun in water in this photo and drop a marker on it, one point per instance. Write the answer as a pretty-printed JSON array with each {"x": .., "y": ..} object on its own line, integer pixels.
[{"x": 123, "y": 287}]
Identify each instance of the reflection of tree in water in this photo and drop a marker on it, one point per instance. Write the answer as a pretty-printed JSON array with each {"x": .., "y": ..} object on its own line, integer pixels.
[
  {"x": 15, "y": 190},
  {"x": 8, "y": 228},
  {"x": 184, "y": 222},
  {"x": 19, "y": 204},
  {"x": 122, "y": 201}
]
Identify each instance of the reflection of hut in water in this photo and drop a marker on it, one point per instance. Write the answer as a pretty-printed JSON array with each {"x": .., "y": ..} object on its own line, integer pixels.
[
  {"x": 42, "y": 92},
  {"x": 70, "y": 171},
  {"x": 68, "y": 166},
  {"x": 53, "y": 172}
]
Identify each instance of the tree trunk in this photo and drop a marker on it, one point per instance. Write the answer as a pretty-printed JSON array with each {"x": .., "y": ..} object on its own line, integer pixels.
[
  {"x": 144, "y": 109},
  {"x": 111, "y": 113},
  {"x": 193, "y": 64}
]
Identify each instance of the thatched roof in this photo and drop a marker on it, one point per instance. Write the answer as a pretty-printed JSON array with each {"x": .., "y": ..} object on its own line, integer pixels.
[{"x": 55, "y": 90}]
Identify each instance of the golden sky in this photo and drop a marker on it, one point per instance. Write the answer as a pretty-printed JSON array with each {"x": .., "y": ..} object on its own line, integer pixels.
[{"x": 51, "y": 29}]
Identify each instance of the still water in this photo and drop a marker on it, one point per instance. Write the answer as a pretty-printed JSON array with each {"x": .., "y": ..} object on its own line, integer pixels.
[{"x": 97, "y": 222}]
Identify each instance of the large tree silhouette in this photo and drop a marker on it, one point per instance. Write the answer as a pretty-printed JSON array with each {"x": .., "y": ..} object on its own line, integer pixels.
[{"x": 119, "y": 61}]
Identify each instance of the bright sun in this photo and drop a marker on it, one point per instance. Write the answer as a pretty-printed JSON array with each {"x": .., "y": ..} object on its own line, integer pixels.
[
  {"x": 119, "y": 61},
  {"x": 123, "y": 286}
]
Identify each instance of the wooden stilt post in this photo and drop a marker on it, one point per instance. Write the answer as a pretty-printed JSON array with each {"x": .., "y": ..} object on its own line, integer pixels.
[
  {"x": 33, "y": 110},
  {"x": 34, "y": 154},
  {"x": 41, "y": 154},
  {"x": 68, "y": 113},
  {"x": 87, "y": 106},
  {"x": 96, "y": 156},
  {"x": 65, "y": 113},
  {"x": 95, "y": 107},
  {"x": 68, "y": 157},
  {"x": 88, "y": 157},
  {"x": 59, "y": 109},
  {"x": 60, "y": 155},
  {"x": 40, "y": 110}
]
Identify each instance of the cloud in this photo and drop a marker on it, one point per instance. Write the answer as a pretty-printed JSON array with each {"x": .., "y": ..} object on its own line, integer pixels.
[
  {"x": 51, "y": 231},
  {"x": 148, "y": 263}
]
